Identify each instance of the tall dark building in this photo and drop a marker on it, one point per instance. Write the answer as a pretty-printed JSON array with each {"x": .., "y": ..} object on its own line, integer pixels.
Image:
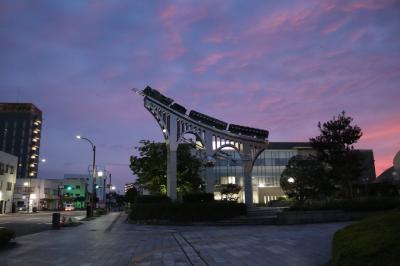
[{"x": 20, "y": 132}]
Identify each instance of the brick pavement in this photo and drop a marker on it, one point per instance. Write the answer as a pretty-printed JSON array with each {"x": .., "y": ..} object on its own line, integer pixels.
[{"x": 102, "y": 242}]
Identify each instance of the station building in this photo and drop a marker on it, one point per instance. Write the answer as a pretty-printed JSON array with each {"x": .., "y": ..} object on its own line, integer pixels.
[{"x": 268, "y": 168}]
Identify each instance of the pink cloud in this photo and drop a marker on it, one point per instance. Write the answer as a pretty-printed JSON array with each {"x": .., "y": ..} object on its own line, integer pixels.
[
  {"x": 335, "y": 26},
  {"x": 384, "y": 138},
  {"x": 209, "y": 61},
  {"x": 168, "y": 13},
  {"x": 367, "y": 4}
]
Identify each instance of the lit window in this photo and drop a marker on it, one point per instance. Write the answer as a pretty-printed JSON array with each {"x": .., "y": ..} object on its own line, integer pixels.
[
  {"x": 31, "y": 173},
  {"x": 32, "y": 165},
  {"x": 34, "y": 148},
  {"x": 33, "y": 156}
]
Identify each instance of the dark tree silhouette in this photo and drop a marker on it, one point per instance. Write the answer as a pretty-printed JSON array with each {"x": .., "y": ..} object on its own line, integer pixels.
[{"x": 334, "y": 147}]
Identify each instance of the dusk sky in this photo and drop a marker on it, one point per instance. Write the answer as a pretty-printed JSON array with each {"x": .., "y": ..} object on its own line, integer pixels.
[{"x": 277, "y": 65}]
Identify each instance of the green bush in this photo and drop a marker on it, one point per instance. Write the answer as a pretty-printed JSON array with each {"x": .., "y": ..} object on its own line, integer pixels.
[
  {"x": 198, "y": 197},
  {"x": 187, "y": 212},
  {"x": 153, "y": 199},
  {"x": 373, "y": 241},
  {"x": 6, "y": 235},
  {"x": 362, "y": 204}
]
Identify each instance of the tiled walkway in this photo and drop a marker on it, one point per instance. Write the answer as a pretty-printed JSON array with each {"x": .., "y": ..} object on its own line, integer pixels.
[{"x": 102, "y": 242}]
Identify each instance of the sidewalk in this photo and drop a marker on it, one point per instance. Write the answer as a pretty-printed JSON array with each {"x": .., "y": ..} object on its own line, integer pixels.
[
  {"x": 87, "y": 244},
  {"x": 108, "y": 240}
]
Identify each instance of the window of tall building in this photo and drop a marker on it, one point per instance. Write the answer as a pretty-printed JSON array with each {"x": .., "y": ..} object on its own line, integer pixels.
[{"x": 9, "y": 186}]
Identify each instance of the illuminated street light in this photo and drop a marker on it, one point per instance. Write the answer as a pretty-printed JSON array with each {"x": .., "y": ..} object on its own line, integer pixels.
[
  {"x": 113, "y": 188},
  {"x": 291, "y": 180},
  {"x": 100, "y": 173},
  {"x": 89, "y": 212}
]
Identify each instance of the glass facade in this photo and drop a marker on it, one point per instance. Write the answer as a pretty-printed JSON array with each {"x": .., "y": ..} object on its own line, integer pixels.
[{"x": 266, "y": 173}]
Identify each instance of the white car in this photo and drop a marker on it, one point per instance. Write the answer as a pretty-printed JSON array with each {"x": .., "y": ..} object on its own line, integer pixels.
[{"x": 69, "y": 207}]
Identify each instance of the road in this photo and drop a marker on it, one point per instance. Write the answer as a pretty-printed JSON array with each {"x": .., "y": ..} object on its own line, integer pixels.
[{"x": 24, "y": 224}]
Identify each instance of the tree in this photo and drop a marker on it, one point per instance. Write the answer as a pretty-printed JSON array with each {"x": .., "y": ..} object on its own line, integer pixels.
[
  {"x": 151, "y": 168},
  {"x": 334, "y": 148},
  {"x": 303, "y": 179},
  {"x": 131, "y": 194},
  {"x": 231, "y": 191}
]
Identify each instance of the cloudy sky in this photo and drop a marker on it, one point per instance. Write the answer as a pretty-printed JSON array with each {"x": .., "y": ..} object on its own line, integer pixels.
[{"x": 278, "y": 65}]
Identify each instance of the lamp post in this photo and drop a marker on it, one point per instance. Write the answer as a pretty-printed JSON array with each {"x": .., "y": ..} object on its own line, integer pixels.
[
  {"x": 92, "y": 199},
  {"x": 26, "y": 186}
]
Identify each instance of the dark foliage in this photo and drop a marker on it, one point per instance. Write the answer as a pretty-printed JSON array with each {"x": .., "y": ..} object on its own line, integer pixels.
[
  {"x": 187, "y": 212},
  {"x": 334, "y": 147},
  {"x": 151, "y": 168},
  {"x": 198, "y": 197},
  {"x": 153, "y": 199},
  {"x": 304, "y": 178},
  {"x": 130, "y": 195}
]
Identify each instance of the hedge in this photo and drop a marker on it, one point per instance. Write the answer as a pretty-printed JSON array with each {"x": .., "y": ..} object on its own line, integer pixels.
[
  {"x": 198, "y": 197},
  {"x": 187, "y": 212},
  {"x": 153, "y": 199},
  {"x": 373, "y": 241},
  {"x": 6, "y": 235}
]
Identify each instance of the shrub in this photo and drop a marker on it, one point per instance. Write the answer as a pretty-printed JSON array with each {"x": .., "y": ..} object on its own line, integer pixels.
[
  {"x": 373, "y": 241},
  {"x": 198, "y": 197},
  {"x": 187, "y": 212},
  {"x": 6, "y": 235},
  {"x": 153, "y": 199}
]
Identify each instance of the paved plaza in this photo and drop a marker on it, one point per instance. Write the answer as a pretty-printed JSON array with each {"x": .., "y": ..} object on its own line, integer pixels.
[{"x": 108, "y": 240}]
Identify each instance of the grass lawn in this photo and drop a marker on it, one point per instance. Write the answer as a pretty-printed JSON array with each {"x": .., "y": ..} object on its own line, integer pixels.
[{"x": 373, "y": 241}]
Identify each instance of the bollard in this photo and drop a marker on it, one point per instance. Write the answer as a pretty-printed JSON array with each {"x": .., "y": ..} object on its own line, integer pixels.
[{"x": 56, "y": 220}]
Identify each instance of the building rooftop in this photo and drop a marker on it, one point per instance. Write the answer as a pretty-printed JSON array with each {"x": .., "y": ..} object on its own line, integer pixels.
[
  {"x": 19, "y": 107},
  {"x": 288, "y": 145}
]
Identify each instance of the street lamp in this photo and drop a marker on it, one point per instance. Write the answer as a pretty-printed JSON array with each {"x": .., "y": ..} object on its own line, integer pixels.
[
  {"x": 26, "y": 185},
  {"x": 291, "y": 180},
  {"x": 92, "y": 200}
]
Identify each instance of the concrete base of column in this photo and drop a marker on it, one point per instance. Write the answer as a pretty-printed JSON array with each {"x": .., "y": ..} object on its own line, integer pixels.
[
  {"x": 248, "y": 185},
  {"x": 210, "y": 180}
]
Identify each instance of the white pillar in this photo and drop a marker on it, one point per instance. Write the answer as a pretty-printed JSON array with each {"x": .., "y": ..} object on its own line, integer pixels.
[
  {"x": 171, "y": 173},
  {"x": 210, "y": 176},
  {"x": 248, "y": 184},
  {"x": 172, "y": 147}
]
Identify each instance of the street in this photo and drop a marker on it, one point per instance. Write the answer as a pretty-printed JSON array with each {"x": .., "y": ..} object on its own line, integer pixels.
[{"x": 24, "y": 224}]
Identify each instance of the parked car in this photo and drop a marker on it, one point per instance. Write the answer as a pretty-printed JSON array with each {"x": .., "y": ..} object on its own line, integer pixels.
[{"x": 69, "y": 207}]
